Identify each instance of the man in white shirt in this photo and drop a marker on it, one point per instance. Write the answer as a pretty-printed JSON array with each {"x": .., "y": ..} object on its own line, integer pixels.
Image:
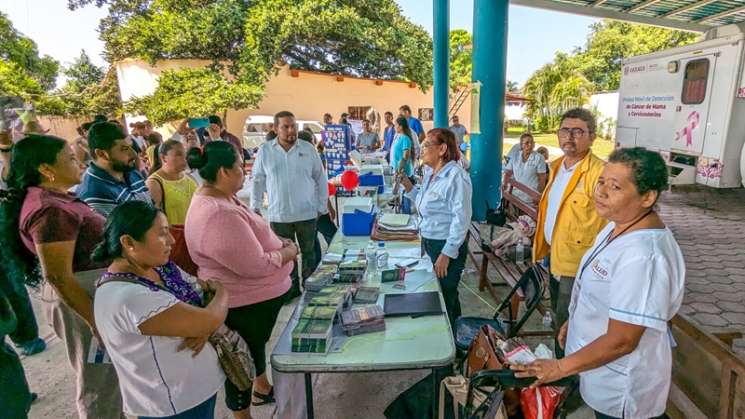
[
  {"x": 567, "y": 222},
  {"x": 291, "y": 173}
]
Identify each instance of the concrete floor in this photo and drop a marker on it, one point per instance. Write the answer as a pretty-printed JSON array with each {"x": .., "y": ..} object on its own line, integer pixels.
[{"x": 348, "y": 396}]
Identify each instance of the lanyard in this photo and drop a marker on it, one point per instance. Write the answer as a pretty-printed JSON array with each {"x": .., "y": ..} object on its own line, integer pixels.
[{"x": 607, "y": 241}]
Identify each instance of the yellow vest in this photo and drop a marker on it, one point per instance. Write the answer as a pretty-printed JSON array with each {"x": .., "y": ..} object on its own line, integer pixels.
[
  {"x": 577, "y": 222},
  {"x": 177, "y": 196}
]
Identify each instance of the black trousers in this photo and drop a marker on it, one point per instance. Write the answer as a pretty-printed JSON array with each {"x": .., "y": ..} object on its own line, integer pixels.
[
  {"x": 17, "y": 295},
  {"x": 254, "y": 323},
  {"x": 15, "y": 398},
  {"x": 449, "y": 284},
  {"x": 328, "y": 229},
  {"x": 305, "y": 234}
]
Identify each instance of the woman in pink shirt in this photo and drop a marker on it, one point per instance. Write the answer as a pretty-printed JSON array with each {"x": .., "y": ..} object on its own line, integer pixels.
[{"x": 236, "y": 247}]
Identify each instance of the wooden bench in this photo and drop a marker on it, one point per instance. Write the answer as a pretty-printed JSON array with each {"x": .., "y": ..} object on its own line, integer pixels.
[
  {"x": 708, "y": 377},
  {"x": 509, "y": 271}
]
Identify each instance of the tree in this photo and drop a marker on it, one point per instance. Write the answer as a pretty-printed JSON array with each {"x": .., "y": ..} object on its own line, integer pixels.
[
  {"x": 249, "y": 39},
  {"x": 90, "y": 90},
  {"x": 609, "y": 42},
  {"x": 570, "y": 79},
  {"x": 190, "y": 92},
  {"x": 513, "y": 87},
  {"x": 555, "y": 88},
  {"x": 461, "y": 59},
  {"x": 23, "y": 72}
]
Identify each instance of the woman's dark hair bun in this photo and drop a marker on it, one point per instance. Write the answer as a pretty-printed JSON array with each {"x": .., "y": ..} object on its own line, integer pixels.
[{"x": 195, "y": 158}]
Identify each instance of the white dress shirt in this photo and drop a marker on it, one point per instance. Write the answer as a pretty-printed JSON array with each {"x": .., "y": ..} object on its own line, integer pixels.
[
  {"x": 294, "y": 180},
  {"x": 444, "y": 203},
  {"x": 639, "y": 279},
  {"x": 555, "y": 193}
]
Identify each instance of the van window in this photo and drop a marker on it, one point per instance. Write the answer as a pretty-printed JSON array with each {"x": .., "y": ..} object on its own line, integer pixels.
[
  {"x": 315, "y": 129},
  {"x": 694, "y": 82}
]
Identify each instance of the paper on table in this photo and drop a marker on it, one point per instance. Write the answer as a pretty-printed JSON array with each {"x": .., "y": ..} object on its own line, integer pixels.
[{"x": 405, "y": 253}]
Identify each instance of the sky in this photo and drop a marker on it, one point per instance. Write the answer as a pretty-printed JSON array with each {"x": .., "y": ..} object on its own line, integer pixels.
[{"x": 62, "y": 33}]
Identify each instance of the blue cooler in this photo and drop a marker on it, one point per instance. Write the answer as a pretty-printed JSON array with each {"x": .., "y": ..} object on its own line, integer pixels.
[
  {"x": 370, "y": 179},
  {"x": 358, "y": 223}
]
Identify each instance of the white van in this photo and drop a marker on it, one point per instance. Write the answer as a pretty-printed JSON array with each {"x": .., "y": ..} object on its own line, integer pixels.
[
  {"x": 688, "y": 103},
  {"x": 257, "y": 126}
]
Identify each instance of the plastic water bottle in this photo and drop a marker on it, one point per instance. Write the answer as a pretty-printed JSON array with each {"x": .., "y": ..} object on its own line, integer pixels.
[
  {"x": 382, "y": 256},
  {"x": 371, "y": 258},
  {"x": 547, "y": 319}
]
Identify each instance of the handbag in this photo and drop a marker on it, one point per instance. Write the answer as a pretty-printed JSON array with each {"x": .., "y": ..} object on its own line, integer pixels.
[
  {"x": 482, "y": 354},
  {"x": 179, "y": 251},
  {"x": 232, "y": 351},
  {"x": 234, "y": 356},
  {"x": 490, "y": 404}
]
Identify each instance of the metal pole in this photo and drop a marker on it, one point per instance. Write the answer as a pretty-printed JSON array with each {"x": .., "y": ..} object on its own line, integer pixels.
[
  {"x": 489, "y": 69},
  {"x": 441, "y": 61}
]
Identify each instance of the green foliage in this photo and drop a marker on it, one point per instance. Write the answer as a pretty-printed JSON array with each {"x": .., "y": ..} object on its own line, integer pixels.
[
  {"x": 609, "y": 42},
  {"x": 555, "y": 88},
  {"x": 250, "y": 38},
  {"x": 193, "y": 92},
  {"x": 570, "y": 79},
  {"x": 16, "y": 48},
  {"x": 90, "y": 90},
  {"x": 23, "y": 72},
  {"x": 513, "y": 87},
  {"x": 461, "y": 59}
]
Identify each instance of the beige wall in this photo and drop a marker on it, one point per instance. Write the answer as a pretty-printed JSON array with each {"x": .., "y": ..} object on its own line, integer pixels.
[
  {"x": 308, "y": 96},
  {"x": 60, "y": 127}
]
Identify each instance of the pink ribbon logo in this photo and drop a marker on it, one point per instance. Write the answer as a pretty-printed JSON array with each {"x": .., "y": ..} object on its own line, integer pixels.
[{"x": 693, "y": 120}]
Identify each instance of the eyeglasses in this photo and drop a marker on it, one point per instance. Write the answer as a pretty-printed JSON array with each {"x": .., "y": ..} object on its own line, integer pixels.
[
  {"x": 573, "y": 132},
  {"x": 426, "y": 144}
]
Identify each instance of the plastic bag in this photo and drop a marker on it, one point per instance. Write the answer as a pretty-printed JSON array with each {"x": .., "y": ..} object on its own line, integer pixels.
[{"x": 541, "y": 402}]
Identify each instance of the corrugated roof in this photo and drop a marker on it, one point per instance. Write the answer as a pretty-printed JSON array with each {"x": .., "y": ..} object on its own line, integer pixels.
[{"x": 690, "y": 15}]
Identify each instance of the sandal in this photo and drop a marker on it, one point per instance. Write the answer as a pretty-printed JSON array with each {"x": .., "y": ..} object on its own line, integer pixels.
[{"x": 265, "y": 398}]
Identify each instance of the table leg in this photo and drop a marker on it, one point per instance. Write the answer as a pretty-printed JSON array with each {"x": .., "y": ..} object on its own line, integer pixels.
[
  {"x": 435, "y": 393},
  {"x": 309, "y": 396}
]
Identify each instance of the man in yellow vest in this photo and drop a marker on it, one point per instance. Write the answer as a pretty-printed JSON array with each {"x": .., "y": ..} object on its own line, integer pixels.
[{"x": 567, "y": 221}]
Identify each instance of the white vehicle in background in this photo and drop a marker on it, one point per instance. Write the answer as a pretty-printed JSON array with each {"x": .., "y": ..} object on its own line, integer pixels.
[
  {"x": 688, "y": 103},
  {"x": 257, "y": 126}
]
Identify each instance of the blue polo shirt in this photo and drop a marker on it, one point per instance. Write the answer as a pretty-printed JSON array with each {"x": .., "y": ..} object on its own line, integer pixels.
[
  {"x": 416, "y": 125},
  {"x": 103, "y": 192}
]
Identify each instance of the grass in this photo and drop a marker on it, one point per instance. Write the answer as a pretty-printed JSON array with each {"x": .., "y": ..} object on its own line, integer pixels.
[{"x": 601, "y": 147}]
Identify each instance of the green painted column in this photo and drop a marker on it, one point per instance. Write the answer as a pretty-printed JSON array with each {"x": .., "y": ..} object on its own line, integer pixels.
[
  {"x": 441, "y": 35},
  {"x": 487, "y": 128}
]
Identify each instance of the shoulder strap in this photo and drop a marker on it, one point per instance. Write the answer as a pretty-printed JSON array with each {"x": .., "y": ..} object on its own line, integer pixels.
[
  {"x": 162, "y": 192},
  {"x": 117, "y": 278}
]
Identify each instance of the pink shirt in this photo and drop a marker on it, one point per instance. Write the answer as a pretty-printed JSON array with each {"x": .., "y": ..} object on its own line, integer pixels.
[{"x": 235, "y": 246}]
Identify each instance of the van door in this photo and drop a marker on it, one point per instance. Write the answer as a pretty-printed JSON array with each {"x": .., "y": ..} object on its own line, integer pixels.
[{"x": 693, "y": 110}]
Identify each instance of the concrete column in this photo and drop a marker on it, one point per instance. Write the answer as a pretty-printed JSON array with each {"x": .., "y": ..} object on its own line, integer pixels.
[
  {"x": 441, "y": 61},
  {"x": 489, "y": 68}
]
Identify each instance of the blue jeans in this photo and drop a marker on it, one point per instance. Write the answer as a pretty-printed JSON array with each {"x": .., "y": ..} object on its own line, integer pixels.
[{"x": 206, "y": 410}]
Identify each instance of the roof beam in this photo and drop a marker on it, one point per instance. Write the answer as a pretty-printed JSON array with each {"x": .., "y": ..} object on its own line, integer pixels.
[
  {"x": 612, "y": 14},
  {"x": 641, "y": 6},
  {"x": 722, "y": 14},
  {"x": 691, "y": 6},
  {"x": 596, "y": 3}
]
